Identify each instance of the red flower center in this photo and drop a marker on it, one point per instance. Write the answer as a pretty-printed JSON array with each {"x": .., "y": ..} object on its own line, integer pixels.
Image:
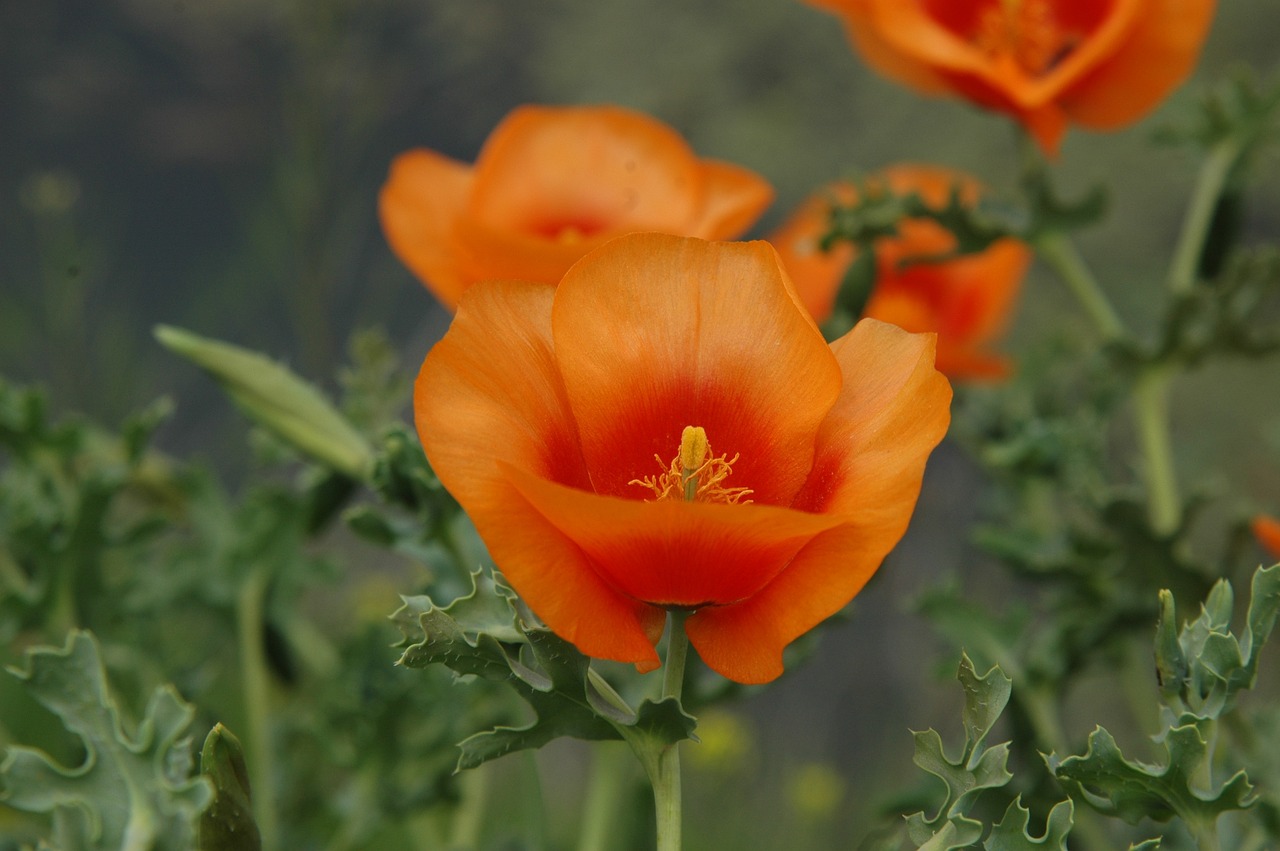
[{"x": 1033, "y": 35}]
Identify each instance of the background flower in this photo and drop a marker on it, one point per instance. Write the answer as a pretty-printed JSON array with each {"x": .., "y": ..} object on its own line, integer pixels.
[
  {"x": 550, "y": 184},
  {"x": 543, "y": 408},
  {"x": 1267, "y": 531},
  {"x": 1046, "y": 62},
  {"x": 966, "y": 301}
]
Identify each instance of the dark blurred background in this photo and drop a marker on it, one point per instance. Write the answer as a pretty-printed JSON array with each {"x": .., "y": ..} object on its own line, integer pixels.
[{"x": 215, "y": 165}]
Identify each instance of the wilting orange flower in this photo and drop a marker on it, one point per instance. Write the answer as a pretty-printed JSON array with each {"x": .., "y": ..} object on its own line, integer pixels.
[
  {"x": 551, "y": 184},
  {"x": 668, "y": 429},
  {"x": 1267, "y": 531},
  {"x": 966, "y": 301},
  {"x": 1098, "y": 63}
]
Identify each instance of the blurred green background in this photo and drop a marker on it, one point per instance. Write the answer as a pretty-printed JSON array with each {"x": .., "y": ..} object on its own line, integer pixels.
[{"x": 215, "y": 164}]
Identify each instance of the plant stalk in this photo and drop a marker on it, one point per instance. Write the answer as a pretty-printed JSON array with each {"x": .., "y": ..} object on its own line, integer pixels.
[
  {"x": 1151, "y": 415},
  {"x": 666, "y": 776},
  {"x": 255, "y": 684}
]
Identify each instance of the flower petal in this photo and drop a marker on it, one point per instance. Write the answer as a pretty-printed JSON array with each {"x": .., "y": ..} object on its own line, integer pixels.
[
  {"x": 1158, "y": 54},
  {"x": 892, "y": 411},
  {"x": 733, "y": 198},
  {"x": 488, "y": 397},
  {"x": 418, "y": 206},
  {"x": 598, "y": 169},
  {"x": 672, "y": 553},
  {"x": 1267, "y": 531},
  {"x": 654, "y": 333}
]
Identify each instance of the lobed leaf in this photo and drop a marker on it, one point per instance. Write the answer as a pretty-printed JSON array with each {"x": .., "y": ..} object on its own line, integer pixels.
[
  {"x": 1010, "y": 834},
  {"x": 134, "y": 791}
]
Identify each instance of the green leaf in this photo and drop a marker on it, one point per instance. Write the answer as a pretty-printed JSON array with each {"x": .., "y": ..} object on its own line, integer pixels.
[
  {"x": 1135, "y": 790},
  {"x": 273, "y": 396},
  {"x": 482, "y": 634},
  {"x": 976, "y": 769},
  {"x": 1204, "y": 668},
  {"x": 133, "y": 791},
  {"x": 227, "y": 825},
  {"x": 1010, "y": 834}
]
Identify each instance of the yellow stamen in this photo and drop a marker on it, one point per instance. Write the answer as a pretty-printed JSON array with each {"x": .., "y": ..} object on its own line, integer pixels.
[
  {"x": 1026, "y": 33},
  {"x": 695, "y": 474}
]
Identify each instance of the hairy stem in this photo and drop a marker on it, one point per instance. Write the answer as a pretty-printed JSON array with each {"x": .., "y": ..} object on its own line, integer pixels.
[
  {"x": 1199, "y": 216},
  {"x": 1056, "y": 250},
  {"x": 1151, "y": 415}
]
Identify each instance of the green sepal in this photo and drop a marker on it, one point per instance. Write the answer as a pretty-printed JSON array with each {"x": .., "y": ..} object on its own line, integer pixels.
[
  {"x": 1010, "y": 833},
  {"x": 227, "y": 825},
  {"x": 273, "y": 396},
  {"x": 482, "y": 634},
  {"x": 132, "y": 790},
  {"x": 1135, "y": 790}
]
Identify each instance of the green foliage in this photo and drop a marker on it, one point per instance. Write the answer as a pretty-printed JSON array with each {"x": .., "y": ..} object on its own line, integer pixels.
[
  {"x": 133, "y": 790},
  {"x": 979, "y": 767},
  {"x": 1134, "y": 790},
  {"x": 1011, "y": 833},
  {"x": 482, "y": 634},
  {"x": 1203, "y": 668}
]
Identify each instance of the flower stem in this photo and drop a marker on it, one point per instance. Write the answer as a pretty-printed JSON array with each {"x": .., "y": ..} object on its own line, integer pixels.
[
  {"x": 256, "y": 686},
  {"x": 666, "y": 778},
  {"x": 1151, "y": 414},
  {"x": 1199, "y": 216},
  {"x": 1056, "y": 250},
  {"x": 611, "y": 769}
]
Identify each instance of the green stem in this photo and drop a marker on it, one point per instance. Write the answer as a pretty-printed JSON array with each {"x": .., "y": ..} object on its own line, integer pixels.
[
  {"x": 1056, "y": 250},
  {"x": 666, "y": 777},
  {"x": 469, "y": 817},
  {"x": 1151, "y": 414},
  {"x": 1199, "y": 216},
  {"x": 611, "y": 769},
  {"x": 256, "y": 687}
]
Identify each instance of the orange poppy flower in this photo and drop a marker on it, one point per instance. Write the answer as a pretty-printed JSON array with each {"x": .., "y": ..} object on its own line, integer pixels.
[
  {"x": 667, "y": 428},
  {"x": 551, "y": 184},
  {"x": 1099, "y": 63},
  {"x": 966, "y": 301},
  {"x": 1267, "y": 531}
]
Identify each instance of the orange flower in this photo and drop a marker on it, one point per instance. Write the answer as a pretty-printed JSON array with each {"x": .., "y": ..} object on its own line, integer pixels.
[
  {"x": 966, "y": 301},
  {"x": 551, "y": 184},
  {"x": 667, "y": 428},
  {"x": 1267, "y": 531},
  {"x": 1098, "y": 63}
]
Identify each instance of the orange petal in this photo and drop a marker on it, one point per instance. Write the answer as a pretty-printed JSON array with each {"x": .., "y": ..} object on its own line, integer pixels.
[
  {"x": 596, "y": 169},
  {"x": 654, "y": 333},
  {"x": 860, "y": 24},
  {"x": 892, "y": 411},
  {"x": 733, "y": 198},
  {"x": 418, "y": 206},
  {"x": 489, "y": 394},
  {"x": 1267, "y": 531},
  {"x": 1157, "y": 55},
  {"x": 673, "y": 553}
]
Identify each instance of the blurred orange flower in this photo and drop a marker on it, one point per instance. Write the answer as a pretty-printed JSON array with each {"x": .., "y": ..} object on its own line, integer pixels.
[
  {"x": 1267, "y": 531},
  {"x": 1098, "y": 63},
  {"x": 668, "y": 429},
  {"x": 966, "y": 301},
  {"x": 550, "y": 184}
]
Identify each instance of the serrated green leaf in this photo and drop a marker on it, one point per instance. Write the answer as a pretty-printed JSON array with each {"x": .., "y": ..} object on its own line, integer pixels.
[
  {"x": 132, "y": 792},
  {"x": 1135, "y": 790},
  {"x": 273, "y": 396},
  {"x": 976, "y": 769},
  {"x": 1010, "y": 834},
  {"x": 227, "y": 825},
  {"x": 482, "y": 634}
]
